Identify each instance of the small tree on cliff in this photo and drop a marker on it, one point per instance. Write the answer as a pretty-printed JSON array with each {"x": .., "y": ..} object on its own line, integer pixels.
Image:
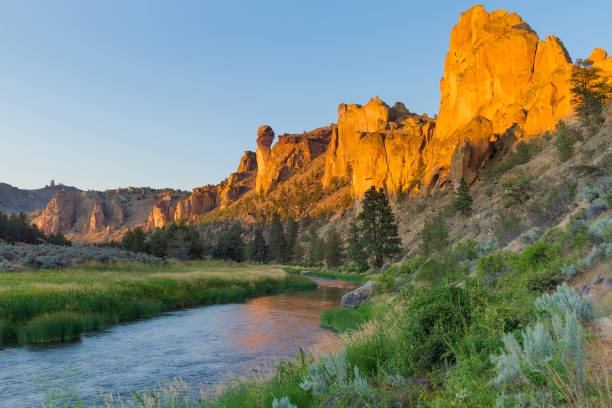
[
  {"x": 379, "y": 237},
  {"x": 589, "y": 93},
  {"x": 463, "y": 200}
]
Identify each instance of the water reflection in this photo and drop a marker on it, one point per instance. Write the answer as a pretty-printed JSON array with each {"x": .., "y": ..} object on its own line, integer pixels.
[{"x": 204, "y": 345}]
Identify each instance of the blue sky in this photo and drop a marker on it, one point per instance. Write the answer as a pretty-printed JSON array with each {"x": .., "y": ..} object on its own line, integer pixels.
[{"x": 105, "y": 94}]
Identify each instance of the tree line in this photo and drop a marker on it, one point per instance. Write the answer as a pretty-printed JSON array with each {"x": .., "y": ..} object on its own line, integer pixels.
[
  {"x": 372, "y": 240},
  {"x": 16, "y": 228}
]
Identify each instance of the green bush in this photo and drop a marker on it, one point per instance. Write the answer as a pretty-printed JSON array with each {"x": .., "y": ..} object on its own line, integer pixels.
[{"x": 516, "y": 188}]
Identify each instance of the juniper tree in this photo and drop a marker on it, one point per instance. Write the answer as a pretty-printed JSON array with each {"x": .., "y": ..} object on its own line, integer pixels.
[
  {"x": 380, "y": 237},
  {"x": 589, "y": 93},
  {"x": 334, "y": 248}
]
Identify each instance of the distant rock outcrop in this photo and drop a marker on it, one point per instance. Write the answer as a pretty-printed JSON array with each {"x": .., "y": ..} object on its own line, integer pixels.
[
  {"x": 99, "y": 216},
  {"x": 15, "y": 200},
  {"x": 290, "y": 153}
]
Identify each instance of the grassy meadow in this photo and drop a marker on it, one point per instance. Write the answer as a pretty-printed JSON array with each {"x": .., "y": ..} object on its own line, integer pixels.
[{"x": 56, "y": 305}]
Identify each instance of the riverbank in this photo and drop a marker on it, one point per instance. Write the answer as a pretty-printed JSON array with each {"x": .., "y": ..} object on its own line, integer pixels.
[
  {"x": 353, "y": 277},
  {"x": 50, "y": 305}
]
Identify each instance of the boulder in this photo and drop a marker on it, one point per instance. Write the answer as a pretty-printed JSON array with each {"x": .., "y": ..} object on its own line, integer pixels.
[{"x": 355, "y": 297}]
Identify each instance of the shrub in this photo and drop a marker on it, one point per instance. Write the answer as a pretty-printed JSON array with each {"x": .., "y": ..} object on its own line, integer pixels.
[
  {"x": 434, "y": 235},
  {"x": 601, "y": 229},
  {"x": 516, "y": 189},
  {"x": 283, "y": 403},
  {"x": 533, "y": 361},
  {"x": 507, "y": 227},
  {"x": 331, "y": 374},
  {"x": 490, "y": 267},
  {"x": 565, "y": 300},
  {"x": 6, "y": 266},
  {"x": 546, "y": 209}
]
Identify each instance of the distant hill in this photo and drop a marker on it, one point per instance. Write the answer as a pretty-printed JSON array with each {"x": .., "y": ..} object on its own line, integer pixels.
[{"x": 14, "y": 200}]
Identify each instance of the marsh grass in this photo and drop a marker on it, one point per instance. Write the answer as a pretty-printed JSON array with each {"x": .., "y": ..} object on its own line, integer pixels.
[
  {"x": 344, "y": 319},
  {"x": 48, "y": 306}
]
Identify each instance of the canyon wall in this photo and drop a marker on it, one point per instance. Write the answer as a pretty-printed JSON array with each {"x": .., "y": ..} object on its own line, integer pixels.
[{"x": 501, "y": 83}]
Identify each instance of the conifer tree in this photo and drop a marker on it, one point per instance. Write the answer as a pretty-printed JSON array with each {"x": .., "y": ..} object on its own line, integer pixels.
[
  {"x": 230, "y": 245},
  {"x": 334, "y": 248},
  {"x": 291, "y": 238},
  {"x": 316, "y": 246},
  {"x": 589, "y": 93},
  {"x": 355, "y": 250},
  {"x": 380, "y": 237},
  {"x": 257, "y": 250},
  {"x": 463, "y": 200},
  {"x": 277, "y": 242}
]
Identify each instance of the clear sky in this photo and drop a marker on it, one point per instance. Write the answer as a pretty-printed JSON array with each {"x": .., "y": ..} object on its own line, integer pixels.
[{"x": 115, "y": 93}]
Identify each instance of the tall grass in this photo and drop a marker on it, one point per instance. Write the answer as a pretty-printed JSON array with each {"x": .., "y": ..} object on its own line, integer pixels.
[{"x": 47, "y": 306}]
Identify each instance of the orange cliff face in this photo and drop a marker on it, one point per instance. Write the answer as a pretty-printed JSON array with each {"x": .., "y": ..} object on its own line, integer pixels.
[
  {"x": 501, "y": 83},
  {"x": 377, "y": 145},
  {"x": 290, "y": 154}
]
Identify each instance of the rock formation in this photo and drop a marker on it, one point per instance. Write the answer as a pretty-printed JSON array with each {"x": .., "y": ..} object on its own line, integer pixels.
[
  {"x": 15, "y": 200},
  {"x": 378, "y": 145},
  {"x": 98, "y": 216},
  {"x": 290, "y": 154},
  {"x": 501, "y": 83}
]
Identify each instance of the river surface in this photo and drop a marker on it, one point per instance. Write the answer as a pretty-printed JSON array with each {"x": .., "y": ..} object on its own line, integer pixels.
[{"x": 202, "y": 346}]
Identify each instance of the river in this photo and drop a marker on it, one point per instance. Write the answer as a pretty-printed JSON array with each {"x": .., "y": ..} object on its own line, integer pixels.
[{"x": 205, "y": 345}]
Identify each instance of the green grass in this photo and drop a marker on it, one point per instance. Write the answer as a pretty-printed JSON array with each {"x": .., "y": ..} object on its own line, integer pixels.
[
  {"x": 330, "y": 274},
  {"x": 52, "y": 305},
  {"x": 344, "y": 319}
]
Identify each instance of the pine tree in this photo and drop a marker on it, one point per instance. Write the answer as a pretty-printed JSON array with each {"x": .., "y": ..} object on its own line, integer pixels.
[
  {"x": 230, "y": 245},
  {"x": 334, "y": 248},
  {"x": 380, "y": 237},
  {"x": 463, "y": 200},
  {"x": 291, "y": 238},
  {"x": 316, "y": 246},
  {"x": 589, "y": 93},
  {"x": 257, "y": 250},
  {"x": 277, "y": 242},
  {"x": 356, "y": 252}
]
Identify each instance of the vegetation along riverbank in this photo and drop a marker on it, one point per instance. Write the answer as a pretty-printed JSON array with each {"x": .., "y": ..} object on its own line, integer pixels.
[{"x": 50, "y": 305}]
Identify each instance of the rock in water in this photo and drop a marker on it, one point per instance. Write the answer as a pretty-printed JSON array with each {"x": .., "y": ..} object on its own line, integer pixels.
[{"x": 356, "y": 297}]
